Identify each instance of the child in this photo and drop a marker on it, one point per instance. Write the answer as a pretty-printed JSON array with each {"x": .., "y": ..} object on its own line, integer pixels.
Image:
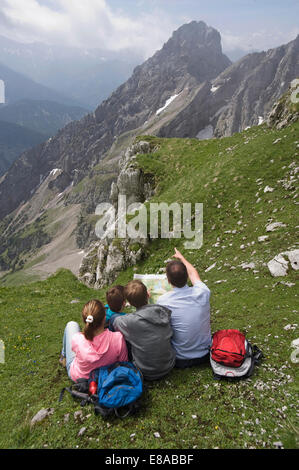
[
  {"x": 93, "y": 348},
  {"x": 148, "y": 332},
  {"x": 115, "y": 302}
]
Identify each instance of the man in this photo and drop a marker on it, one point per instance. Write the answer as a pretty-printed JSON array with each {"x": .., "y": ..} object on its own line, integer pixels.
[
  {"x": 148, "y": 331},
  {"x": 190, "y": 313}
]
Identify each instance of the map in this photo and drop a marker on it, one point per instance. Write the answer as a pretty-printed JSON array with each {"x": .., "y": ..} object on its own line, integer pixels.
[{"x": 157, "y": 285}]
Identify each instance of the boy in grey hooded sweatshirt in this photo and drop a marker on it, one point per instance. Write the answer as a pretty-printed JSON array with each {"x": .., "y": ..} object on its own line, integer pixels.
[{"x": 148, "y": 331}]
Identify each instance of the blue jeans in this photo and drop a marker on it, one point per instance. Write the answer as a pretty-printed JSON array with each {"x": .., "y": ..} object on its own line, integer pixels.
[
  {"x": 184, "y": 363},
  {"x": 71, "y": 328}
]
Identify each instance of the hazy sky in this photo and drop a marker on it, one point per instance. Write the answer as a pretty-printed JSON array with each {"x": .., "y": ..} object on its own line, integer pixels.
[{"x": 146, "y": 24}]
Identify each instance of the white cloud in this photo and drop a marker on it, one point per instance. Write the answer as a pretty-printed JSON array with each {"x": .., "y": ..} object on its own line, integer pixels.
[
  {"x": 94, "y": 23},
  {"x": 87, "y": 23},
  {"x": 257, "y": 40}
]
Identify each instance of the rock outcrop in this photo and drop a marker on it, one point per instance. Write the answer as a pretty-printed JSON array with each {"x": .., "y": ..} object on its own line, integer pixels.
[
  {"x": 286, "y": 110},
  {"x": 107, "y": 257}
]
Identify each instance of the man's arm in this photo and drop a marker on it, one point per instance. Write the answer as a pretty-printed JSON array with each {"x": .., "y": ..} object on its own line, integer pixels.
[{"x": 191, "y": 270}]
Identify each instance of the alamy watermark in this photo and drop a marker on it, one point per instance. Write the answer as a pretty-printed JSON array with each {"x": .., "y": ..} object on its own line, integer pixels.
[
  {"x": 295, "y": 352},
  {"x": 155, "y": 220},
  {"x": 2, "y": 352},
  {"x": 2, "y": 92},
  {"x": 295, "y": 92}
]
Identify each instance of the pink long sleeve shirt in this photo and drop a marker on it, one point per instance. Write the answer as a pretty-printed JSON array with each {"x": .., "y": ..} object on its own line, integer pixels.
[{"x": 105, "y": 348}]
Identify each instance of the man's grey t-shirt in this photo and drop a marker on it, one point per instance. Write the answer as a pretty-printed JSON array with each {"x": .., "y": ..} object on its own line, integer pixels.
[{"x": 190, "y": 319}]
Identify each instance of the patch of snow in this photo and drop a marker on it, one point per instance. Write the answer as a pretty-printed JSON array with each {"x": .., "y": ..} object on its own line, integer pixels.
[
  {"x": 261, "y": 120},
  {"x": 214, "y": 88},
  {"x": 206, "y": 133},
  {"x": 54, "y": 171},
  {"x": 170, "y": 100}
]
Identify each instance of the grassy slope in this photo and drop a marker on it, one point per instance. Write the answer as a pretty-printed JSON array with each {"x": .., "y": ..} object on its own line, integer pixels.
[{"x": 252, "y": 413}]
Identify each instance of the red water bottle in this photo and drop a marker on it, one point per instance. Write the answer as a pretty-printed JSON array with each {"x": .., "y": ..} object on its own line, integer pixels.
[{"x": 93, "y": 386}]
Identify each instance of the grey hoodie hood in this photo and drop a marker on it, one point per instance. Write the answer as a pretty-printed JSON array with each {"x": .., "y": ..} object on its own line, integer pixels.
[
  {"x": 155, "y": 314},
  {"x": 149, "y": 333}
]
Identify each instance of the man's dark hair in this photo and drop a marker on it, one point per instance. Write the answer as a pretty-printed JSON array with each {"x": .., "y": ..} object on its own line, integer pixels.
[{"x": 176, "y": 273}]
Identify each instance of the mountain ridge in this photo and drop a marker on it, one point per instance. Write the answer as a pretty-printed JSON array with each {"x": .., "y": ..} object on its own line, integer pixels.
[{"x": 79, "y": 146}]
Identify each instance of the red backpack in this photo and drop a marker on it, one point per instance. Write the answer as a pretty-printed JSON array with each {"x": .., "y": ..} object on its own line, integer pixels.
[
  {"x": 228, "y": 347},
  {"x": 232, "y": 356}
]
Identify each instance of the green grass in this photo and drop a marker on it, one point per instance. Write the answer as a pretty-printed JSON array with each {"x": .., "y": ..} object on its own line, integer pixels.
[{"x": 188, "y": 408}]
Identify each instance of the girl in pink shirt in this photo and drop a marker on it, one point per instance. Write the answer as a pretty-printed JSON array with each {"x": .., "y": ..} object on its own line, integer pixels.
[{"x": 94, "y": 347}]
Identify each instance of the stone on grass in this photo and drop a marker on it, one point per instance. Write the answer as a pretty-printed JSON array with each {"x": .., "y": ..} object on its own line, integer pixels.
[
  {"x": 288, "y": 284},
  {"x": 78, "y": 414},
  {"x": 210, "y": 267},
  {"x": 41, "y": 415},
  {"x": 81, "y": 432},
  {"x": 273, "y": 226},
  {"x": 278, "y": 445},
  {"x": 247, "y": 265},
  {"x": 278, "y": 266},
  {"x": 268, "y": 189},
  {"x": 290, "y": 326},
  {"x": 293, "y": 256},
  {"x": 263, "y": 238}
]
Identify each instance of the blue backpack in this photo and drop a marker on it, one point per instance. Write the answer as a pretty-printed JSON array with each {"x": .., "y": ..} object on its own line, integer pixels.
[{"x": 119, "y": 388}]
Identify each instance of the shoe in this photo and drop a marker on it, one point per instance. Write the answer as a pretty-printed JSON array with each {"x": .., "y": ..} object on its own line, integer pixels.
[{"x": 62, "y": 361}]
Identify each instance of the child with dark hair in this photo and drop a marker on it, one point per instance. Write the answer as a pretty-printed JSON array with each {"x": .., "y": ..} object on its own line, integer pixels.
[
  {"x": 116, "y": 301},
  {"x": 94, "y": 347}
]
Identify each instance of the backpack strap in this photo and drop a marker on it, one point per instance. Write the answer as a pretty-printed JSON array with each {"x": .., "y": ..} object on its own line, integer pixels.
[
  {"x": 257, "y": 355},
  {"x": 84, "y": 397},
  {"x": 127, "y": 413},
  {"x": 100, "y": 410}
]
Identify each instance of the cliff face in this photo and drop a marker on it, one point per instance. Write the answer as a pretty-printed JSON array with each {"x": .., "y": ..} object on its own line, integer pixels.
[
  {"x": 106, "y": 258},
  {"x": 191, "y": 56},
  {"x": 240, "y": 97},
  {"x": 286, "y": 110}
]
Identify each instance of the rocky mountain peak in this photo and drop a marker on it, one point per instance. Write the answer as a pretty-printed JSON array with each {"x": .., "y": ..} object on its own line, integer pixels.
[{"x": 196, "y": 34}]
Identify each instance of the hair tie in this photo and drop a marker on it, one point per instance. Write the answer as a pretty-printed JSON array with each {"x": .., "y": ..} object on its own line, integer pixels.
[{"x": 89, "y": 319}]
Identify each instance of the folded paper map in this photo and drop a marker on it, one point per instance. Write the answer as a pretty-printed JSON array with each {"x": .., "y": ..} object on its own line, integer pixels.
[{"x": 156, "y": 284}]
